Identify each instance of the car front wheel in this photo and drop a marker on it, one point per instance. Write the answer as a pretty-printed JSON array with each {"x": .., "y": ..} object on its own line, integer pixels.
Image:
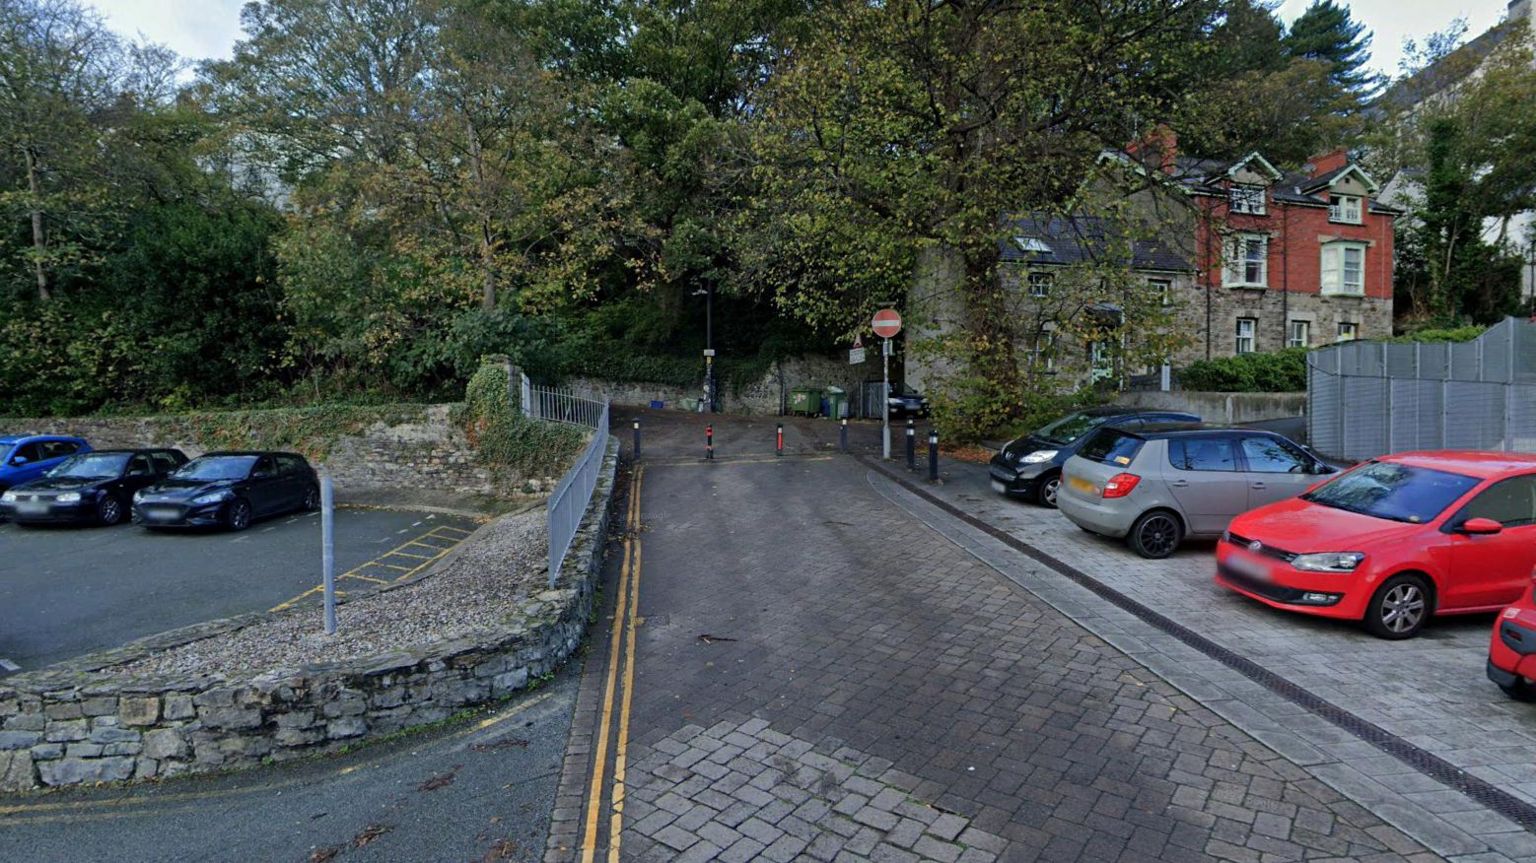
[
  {"x": 311, "y": 500},
  {"x": 109, "y": 510},
  {"x": 1400, "y": 608},
  {"x": 237, "y": 516},
  {"x": 1047, "y": 489},
  {"x": 1156, "y": 534}
]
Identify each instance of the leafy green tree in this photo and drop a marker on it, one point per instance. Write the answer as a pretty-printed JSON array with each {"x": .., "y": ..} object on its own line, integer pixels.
[{"x": 1327, "y": 32}]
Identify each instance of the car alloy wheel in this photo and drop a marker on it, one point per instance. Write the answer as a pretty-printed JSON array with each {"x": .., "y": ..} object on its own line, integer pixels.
[
  {"x": 1399, "y": 608},
  {"x": 1048, "y": 491},
  {"x": 1156, "y": 535},
  {"x": 311, "y": 499},
  {"x": 109, "y": 511},
  {"x": 239, "y": 516}
]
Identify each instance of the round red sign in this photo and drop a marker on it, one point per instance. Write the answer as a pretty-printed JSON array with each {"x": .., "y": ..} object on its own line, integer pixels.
[{"x": 887, "y": 323}]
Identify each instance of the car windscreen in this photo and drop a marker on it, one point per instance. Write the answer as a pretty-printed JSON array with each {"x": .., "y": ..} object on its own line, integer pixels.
[
  {"x": 1398, "y": 492},
  {"x": 1112, "y": 446},
  {"x": 92, "y": 465},
  {"x": 1069, "y": 428},
  {"x": 217, "y": 467}
]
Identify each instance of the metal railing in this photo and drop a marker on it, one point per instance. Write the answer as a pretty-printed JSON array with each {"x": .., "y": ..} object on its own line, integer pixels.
[
  {"x": 553, "y": 404},
  {"x": 1366, "y": 399},
  {"x": 567, "y": 505}
]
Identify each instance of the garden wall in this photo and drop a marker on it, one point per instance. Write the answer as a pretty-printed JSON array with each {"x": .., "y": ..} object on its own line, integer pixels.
[
  {"x": 763, "y": 396},
  {"x": 76, "y": 723},
  {"x": 1225, "y": 408}
]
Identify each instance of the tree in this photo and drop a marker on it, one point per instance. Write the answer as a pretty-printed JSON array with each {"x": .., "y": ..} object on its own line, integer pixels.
[
  {"x": 913, "y": 126},
  {"x": 1327, "y": 32}
]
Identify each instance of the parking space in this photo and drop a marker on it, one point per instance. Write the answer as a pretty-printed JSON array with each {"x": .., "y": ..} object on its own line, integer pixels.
[
  {"x": 69, "y": 591},
  {"x": 1430, "y": 691}
]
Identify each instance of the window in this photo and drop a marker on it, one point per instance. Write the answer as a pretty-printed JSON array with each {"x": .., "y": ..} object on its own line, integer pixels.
[
  {"x": 1344, "y": 208},
  {"x": 165, "y": 462},
  {"x": 1043, "y": 355},
  {"x": 31, "y": 452},
  {"x": 1040, "y": 284},
  {"x": 1348, "y": 332},
  {"x": 1247, "y": 261},
  {"x": 1032, "y": 244},
  {"x": 1115, "y": 446},
  {"x": 1247, "y": 199},
  {"x": 58, "y": 448},
  {"x": 290, "y": 465},
  {"x": 1202, "y": 453},
  {"x": 1266, "y": 454},
  {"x": 1101, "y": 359},
  {"x": 1343, "y": 270},
  {"x": 1298, "y": 334},
  {"x": 139, "y": 466},
  {"x": 1393, "y": 491},
  {"x": 1511, "y": 502},
  {"x": 1246, "y": 327},
  {"x": 1162, "y": 289}
]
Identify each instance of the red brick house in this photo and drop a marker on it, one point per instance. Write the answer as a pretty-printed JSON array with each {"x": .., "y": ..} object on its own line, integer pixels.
[{"x": 1282, "y": 258}]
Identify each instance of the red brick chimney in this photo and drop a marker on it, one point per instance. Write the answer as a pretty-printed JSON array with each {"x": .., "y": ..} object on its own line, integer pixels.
[
  {"x": 1330, "y": 161},
  {"x": 1159, "y": 149}
]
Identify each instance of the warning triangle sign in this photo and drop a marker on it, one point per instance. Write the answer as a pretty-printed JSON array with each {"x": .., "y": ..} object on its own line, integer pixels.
[{"x": 858, "y": 341}]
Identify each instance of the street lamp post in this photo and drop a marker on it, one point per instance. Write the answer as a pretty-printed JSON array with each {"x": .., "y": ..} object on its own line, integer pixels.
[{"x": 709, "y": 346}]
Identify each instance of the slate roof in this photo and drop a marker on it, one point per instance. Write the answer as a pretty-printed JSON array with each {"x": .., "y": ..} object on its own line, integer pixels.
[
  {"x": 1205, "y": 175},
  {"x": 1447, "y": 71},
  {"x": 1082, "y": 239}
]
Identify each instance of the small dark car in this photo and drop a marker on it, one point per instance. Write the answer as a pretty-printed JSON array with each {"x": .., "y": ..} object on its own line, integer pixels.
[
  {"x": 93, "y": 487},
  {"x": 905, "y": 403},
  {"x": 1030, "y": 467},
  {"x": 230, "y": 490}
]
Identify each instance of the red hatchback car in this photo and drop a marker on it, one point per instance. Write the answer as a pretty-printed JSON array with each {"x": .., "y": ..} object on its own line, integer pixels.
[
  {"x": 1512, "y": 655},
  {"x": 1393, "y": 541}
]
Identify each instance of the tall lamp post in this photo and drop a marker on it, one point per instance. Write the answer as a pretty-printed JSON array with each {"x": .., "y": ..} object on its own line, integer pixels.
[{"x": 709, "y": 346}]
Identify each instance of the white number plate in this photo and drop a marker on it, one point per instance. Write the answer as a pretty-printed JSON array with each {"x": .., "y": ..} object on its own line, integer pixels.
[
  {"x": 1249, "y": 566},
  {"x": 998, "y": 487},
  {"x": 31, "y": 508}
]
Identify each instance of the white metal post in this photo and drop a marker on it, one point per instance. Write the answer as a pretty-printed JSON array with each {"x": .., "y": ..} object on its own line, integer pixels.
[
  {"x": 327, "y": 552},
  {"x": 885, "y": 401}
]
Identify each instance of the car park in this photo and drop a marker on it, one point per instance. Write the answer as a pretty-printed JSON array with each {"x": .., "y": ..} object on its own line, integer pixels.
[
  {"x": 230, "y": 490},
  {"x": 1030, "y": 466},
  {"x": 1162, "y": 484},
  {"x": 1393, "y": 542},
  {"x": 24, "y": 458},
  {"x": 91, "y": 487}
]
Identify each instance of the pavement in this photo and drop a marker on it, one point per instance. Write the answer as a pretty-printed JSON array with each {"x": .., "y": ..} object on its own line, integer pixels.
[
  {"x": 803, "y": 668},
  {"x": 68, "y": 591}
]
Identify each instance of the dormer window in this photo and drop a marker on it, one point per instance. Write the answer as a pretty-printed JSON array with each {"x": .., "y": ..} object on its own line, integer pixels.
[
  {"x": 1247, "y": 199},
  {"x": 1345, "y": 208},
  {"x": 1033, "y": 245}
]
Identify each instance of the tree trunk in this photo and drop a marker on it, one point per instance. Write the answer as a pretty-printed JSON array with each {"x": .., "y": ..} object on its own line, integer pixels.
[
  {"x": 487, "y": 245},
  {"x": 39, "y": 237}
]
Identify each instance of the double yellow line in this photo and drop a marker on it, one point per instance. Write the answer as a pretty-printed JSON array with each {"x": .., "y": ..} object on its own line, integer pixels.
[{"x": 621, "y": 647}]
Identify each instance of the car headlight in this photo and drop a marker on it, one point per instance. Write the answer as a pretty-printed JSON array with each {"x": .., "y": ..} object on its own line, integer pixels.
[
  {"x": 1038, "y": 456},
  {"x": 1329, "y": 561},
  {"x": 211, "y": 497},
  {"x": 68, "y": 497},
  {"x": 8, "y": 497}
]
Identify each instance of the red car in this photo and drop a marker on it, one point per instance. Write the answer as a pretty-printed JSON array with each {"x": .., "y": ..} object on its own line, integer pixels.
[
  {"x": 1393, "y": 541},
  {"x": 1512, "y": 655}
]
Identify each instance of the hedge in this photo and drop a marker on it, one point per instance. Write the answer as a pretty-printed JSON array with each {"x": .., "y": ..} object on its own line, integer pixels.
[{"x": 1280, "y": 372}]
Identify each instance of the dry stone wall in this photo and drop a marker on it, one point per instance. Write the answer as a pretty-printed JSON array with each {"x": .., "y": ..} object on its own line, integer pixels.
[{"x": 75, "y": 723}]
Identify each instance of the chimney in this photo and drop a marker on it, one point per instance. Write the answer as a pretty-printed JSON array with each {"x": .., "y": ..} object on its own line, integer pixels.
[
  {"x": 1159, "y": 149},
  {"x": 1331, "y": 161}
]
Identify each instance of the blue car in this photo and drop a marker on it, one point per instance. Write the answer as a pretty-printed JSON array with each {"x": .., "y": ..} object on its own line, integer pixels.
[{"x": 27, "y": 457}]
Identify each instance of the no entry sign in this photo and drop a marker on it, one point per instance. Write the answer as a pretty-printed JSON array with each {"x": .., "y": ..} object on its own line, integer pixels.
[{"x": 887, "y": 323}]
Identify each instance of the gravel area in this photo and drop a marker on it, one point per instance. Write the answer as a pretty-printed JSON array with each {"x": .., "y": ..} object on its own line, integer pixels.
[{"x": 482, "y": 585}]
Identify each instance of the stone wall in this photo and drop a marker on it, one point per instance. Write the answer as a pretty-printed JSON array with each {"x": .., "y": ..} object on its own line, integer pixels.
[
  {"x": 760, "y": 397},
  {"x": 418, "y": 449},
  {"x": 1224, "y": 408},
  {"x": 76, "y": 723}
]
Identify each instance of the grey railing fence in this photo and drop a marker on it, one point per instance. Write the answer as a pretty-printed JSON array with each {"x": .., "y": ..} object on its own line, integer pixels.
[
  {"x": 568, "y": 503},
  {"x": 1366, "y": 399}
]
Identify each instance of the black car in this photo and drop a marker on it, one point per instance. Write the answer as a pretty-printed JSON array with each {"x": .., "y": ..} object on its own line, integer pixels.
[
  {"x": 229, "y": 489},
  {"x": 1030, "y": 467},
  {"x": 93, "y": 487},
  {"x": 905, "y": 403}
]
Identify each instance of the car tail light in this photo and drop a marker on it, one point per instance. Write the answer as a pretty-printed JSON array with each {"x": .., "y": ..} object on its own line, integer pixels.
[{"x": 1120, "y": 485}]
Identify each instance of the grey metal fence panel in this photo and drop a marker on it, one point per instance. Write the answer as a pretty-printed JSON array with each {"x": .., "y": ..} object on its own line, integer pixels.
[
  {"x": 569, "y": 501},
  {"x": 1322, "y": 406},
  {"x": 1365, "y": 420},
  {"x": 1522, "y": 418},
  {"x": 1434, "y": 361},
  {"x": 1402, "y": 361},
  {"x": 1474, "y": 414},
  {"x": 1464, "y": 361}
]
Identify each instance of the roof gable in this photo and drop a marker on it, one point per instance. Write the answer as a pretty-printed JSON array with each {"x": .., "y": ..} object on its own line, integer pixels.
[{"x": 1266, "y": 168}]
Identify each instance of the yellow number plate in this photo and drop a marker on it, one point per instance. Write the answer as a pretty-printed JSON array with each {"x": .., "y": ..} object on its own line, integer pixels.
[{"x": 1082, "y": 485}]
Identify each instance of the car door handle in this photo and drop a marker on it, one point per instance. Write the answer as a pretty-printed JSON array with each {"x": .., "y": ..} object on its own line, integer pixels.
[
  {"x": 1259, "y": 485},
  {"x": 1180, "y": 483}
]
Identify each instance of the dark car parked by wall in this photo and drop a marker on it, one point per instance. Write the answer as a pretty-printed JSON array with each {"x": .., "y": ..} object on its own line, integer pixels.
[
  {"x": 93, "y": 487},
  {"x": 1030, "y": 467},
  {"x": 230, "y": 490}
]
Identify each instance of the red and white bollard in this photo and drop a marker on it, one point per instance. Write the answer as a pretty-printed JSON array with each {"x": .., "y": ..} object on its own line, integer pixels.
[
  {"x": 779, "y": 444},
  {"x": 709, "y": 443}
]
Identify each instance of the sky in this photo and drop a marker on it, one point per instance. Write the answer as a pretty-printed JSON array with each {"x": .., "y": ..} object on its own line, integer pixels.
[{"x": 208, "y": 28}]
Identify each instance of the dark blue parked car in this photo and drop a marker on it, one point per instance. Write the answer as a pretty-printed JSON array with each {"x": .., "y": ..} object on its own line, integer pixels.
[{"x": 24, "y": 458}]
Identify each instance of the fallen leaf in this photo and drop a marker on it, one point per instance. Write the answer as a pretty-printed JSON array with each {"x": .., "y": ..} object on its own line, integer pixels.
[
  {"x": 324, "y": 855},
  {"x": 441, "y": 780},
  {"x": 502, "y": 849},
  {"x": 368, "y": 834}
]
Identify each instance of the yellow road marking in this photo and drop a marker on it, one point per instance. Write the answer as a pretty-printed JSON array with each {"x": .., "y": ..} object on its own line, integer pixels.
[
  {"x": 406, "y": 554},
  {"x": 616, "y": 823},
  {"x": 362, "y": 577},
  {"x": 605, "y": 722},
  {"x": 406, "y": 571}
]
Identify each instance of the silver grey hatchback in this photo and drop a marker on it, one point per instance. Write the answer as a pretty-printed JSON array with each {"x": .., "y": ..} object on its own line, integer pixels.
[{"x": 1162, "y": 484}]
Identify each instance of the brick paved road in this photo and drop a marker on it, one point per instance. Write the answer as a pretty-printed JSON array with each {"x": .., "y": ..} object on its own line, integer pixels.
[{"x": 869, "y": 690}]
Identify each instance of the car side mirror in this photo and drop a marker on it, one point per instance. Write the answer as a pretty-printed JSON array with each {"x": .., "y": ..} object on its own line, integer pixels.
[
  {"x": 261, "y": 474},
  {"x": 1480, "y": 527},
  {"x": 1322, "y": 469}
]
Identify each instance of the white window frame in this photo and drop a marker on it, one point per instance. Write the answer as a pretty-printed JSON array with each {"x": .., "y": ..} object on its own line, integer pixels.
[
  {"x": 1164, "y": 290},
  {"x": 1248, "y": 199},
  {"x": 1349, "y": 209},
  {"x": 1040, "y": 284},
  {"x": 1238, "y": 268},
  {"x": 1045, "y": 349},
  {"x": 1251, "y": 337},
  {"x": 1348, "y": 331},
  {"x": 1334, "y": 275},
  {"x": 1298, "y": 334}
]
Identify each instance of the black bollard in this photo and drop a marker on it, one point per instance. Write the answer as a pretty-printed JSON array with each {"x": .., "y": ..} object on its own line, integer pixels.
[
  {"x": 637, "y": 440},
  {"x": 911, "y": 446},
  {"x": 842, "y": 436},
  {"x": 933, "y": 455},
  {"x": 709, "y": 443}
]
